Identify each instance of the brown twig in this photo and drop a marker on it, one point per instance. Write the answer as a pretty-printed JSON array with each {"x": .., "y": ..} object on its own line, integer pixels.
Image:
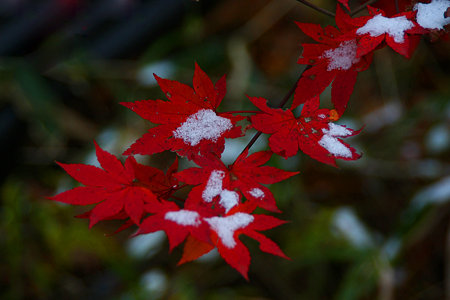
[
  {"x": 397, "y": 7},
  {"x": 319, "y": 9},
  {"x": 362, "y": 7}
]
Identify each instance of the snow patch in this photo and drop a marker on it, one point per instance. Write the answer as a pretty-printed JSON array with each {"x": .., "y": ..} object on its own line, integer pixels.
[
  {"x": 337, "y": 130},
  {"x": 431, "y": 15},
  {"x": 342, "y": 57},
  {"x": 184, "y": 217},
  {"x": 226, "y": 226},
  {"x": 213, "y": 186},
  {"x": 332, "y": 144},
  {"x": 228, "y": 199},
  {"x": 203, "y": 125},
  {"x": 257, "y": 193},
  {"x": 395, "y": 27}
]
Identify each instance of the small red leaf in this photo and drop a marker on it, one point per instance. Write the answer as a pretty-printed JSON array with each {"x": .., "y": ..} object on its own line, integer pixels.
[{"x": 193, "y": 249}]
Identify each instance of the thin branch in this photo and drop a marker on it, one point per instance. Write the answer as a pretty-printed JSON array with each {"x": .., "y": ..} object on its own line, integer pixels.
[
  {"x": 397, "y": 7},
  {"x": 292, "y": 90},
  {"x": 362, "y": 7},
  {"x": 319, "y": 9}
]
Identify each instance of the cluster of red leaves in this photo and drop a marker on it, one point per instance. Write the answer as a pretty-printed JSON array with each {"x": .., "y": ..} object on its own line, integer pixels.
[{"x": 220, "y": 205}]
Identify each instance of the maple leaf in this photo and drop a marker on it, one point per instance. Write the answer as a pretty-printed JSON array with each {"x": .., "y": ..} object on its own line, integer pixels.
[
  {"x": 388, "y": 6},
  {"x": 188, "y": 123},
  {"x": 204, "y": 231},
  {"x": 162, "y": 185},
  {"x": 313, "y": 132},
  {"x": 400, "y": 32},
  {"x": 333, "y": 60},
  {"x": 217, "y": 184},
  {"x": 225, "y": 231},
  {"x": 177, "y": 223},
  {"x": 112, "y": 189}
]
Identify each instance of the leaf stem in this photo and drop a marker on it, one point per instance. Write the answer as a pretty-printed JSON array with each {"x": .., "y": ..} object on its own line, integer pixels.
[
  {"x": 317, "y": 8},
  {"x": 362, "y": 7}
]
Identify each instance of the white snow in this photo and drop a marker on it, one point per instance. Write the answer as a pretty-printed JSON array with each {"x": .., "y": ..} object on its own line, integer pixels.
[
  {"x": 226, "y": 226},
  {"x": 203, "y": 125},
  {"x": 184, "y": 217},
  {"x": 213, "y": 186},
  {"x": 342, "y": 57},
  {"x": 337, "y": 130},
  {"x": 332, "y": 144},
  {"x": 395, "y": 27},
  {"x": 257, "y": 193},
  {"x": 431, "y": 15},
  {"x": 228, "y": 199}
]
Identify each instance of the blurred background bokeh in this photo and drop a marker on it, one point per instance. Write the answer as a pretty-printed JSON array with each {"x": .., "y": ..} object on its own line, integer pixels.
[{"x": 377, "y": 228}]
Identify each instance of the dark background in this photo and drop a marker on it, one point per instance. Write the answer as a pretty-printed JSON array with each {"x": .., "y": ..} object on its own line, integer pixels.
[{"x": 377, "y": 228}]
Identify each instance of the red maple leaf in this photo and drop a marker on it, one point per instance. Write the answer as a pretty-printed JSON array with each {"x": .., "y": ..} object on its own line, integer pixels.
[
  {"x": 113, "y": 189},
  {"x": 162, "y": 185},
  {"x": 225, "y": 231},
  {"x": 204, "y": 231},
  {"x": 388, "y": 6},
  {"x": 313, "y": 132},
  {"x": 218, "y": 184},
  {"x": 400, "y": 32},
  {"x": 188, "y": 123},
  {"x": 333, "y": 60},
  {"x": 177, "y": 223}
]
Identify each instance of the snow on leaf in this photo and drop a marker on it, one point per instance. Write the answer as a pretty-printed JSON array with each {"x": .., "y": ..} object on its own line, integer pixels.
[
  {"x": 432, "y": 15},
  {"x": 188, "y": 122},
  {"x": 213, "y": 186},
  {"x": 332, "y": 60},
  {"x": 226, "y": 231},
  {"x": 203, "y": 125},
  {"x": 217, "y": 183},
  {"x": 228, "y": 199},
  {"x": 342, "y": 57},
  {"x": 334, "y": 146},
  {"x": 257, "y": 193},
  {"x": 337, "y": 130},
  {"x": 395, "y": 27},
  {"x": 225, "y": 227},
  {"x": 177, "y": 223},
  {"x": 312, "y": 132},
  {"x": 184, "y": 217}
]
